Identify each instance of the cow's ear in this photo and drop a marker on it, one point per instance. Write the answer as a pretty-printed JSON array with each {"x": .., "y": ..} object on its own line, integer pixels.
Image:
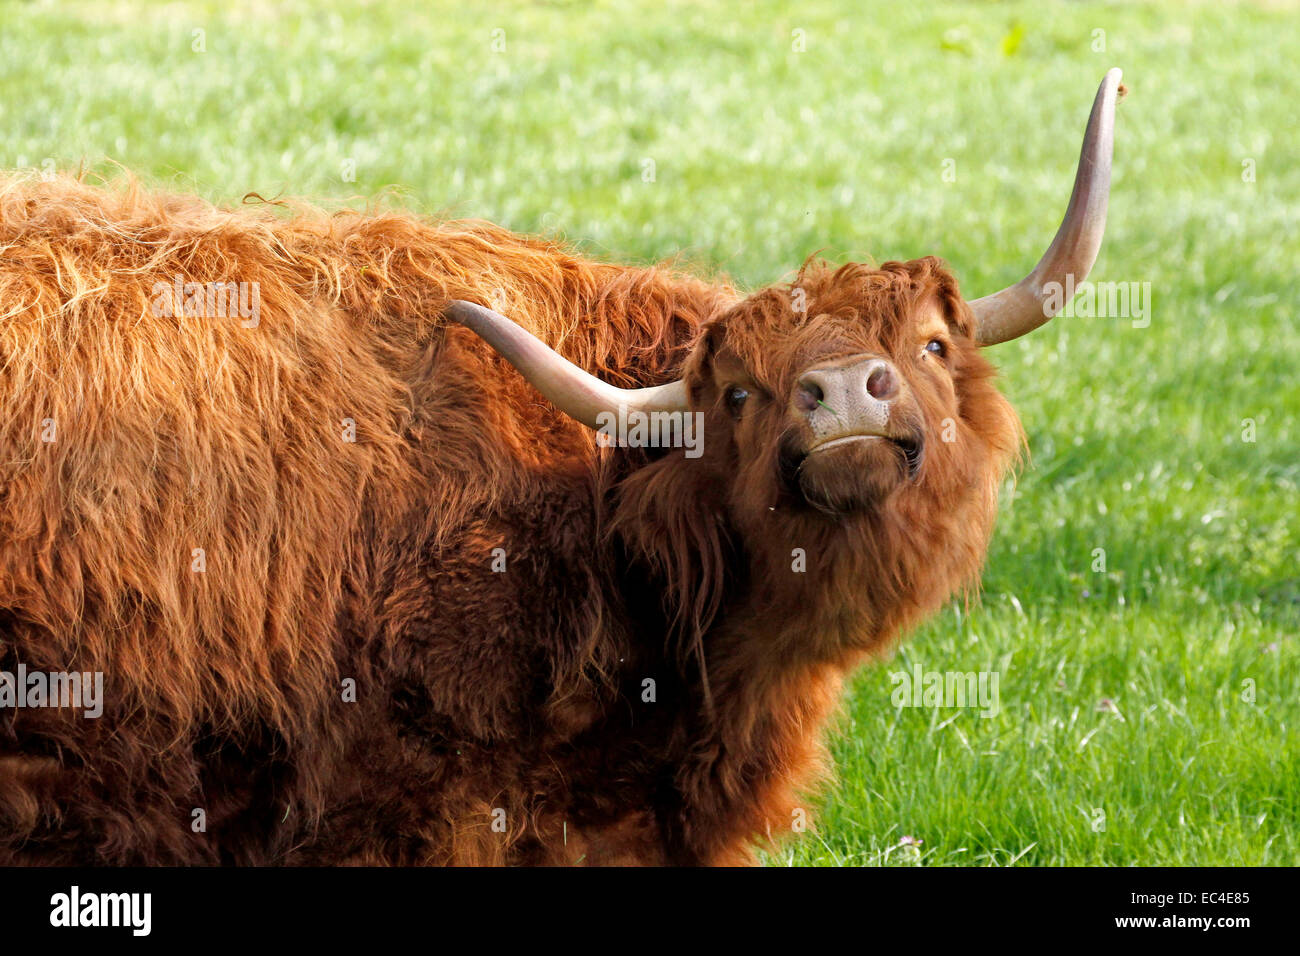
[
  {"x": 698, "y": 370},
  {"x": 960, "y": 319},
  {"x": 939, "y": 292}
]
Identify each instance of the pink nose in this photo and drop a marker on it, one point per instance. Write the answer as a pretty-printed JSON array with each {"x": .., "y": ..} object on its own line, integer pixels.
[
  {"x": 848, "y": 384},
  {"x": 853, "y": 398}
]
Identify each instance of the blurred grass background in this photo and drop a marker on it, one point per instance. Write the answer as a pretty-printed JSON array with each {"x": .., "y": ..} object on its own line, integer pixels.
[{"x": 1123, "y": 691}]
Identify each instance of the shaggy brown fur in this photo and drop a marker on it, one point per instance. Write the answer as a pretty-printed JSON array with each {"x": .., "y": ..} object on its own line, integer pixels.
[{"x": 327, "y": 560}]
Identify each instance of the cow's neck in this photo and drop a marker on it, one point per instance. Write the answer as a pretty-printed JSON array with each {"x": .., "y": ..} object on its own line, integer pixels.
[{"x": 772, "y": 676}]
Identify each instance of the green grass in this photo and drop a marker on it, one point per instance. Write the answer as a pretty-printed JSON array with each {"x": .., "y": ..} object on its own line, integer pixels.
[{"x": 763, "y": 155}]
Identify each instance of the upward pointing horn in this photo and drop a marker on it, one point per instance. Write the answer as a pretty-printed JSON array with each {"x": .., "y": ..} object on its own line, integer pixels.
[{"x": 1024, "y": 306}]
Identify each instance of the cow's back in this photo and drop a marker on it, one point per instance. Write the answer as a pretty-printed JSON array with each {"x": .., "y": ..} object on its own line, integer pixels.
[{"x": 272, "y": 526}]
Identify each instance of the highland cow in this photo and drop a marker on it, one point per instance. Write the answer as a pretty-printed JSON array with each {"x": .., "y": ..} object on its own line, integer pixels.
[{"x": 366, "y": 579}]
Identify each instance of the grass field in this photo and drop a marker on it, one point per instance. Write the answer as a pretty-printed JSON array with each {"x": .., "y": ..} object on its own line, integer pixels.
[{"x": 1149, "y": 712}]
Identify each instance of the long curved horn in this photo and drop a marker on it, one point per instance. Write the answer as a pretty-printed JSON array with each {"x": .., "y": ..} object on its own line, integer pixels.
[
  {"x": 579, "y": 395},
  {"x": 1024, "y": 306}
]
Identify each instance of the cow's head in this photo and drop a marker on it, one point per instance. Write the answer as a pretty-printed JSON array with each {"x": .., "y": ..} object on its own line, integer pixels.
[
  {"x": 852, "y": 386},
  {"x": 848, "y": 387}
]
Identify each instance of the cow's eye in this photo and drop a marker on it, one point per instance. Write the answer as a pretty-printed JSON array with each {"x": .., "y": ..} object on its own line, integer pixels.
[
  {"x": 736, "y": 398},
  {"x": 935, "y": 347}
]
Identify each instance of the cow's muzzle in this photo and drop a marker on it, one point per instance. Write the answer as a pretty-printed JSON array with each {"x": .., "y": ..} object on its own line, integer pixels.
[{"x": 848, "y": 401}]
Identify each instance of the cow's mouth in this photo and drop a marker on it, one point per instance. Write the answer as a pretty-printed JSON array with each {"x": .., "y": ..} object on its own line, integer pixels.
[
  {"x": 911, "y": 447},
  {"x": 913, "y": 450},
  {"x": 850, "y": 472}
]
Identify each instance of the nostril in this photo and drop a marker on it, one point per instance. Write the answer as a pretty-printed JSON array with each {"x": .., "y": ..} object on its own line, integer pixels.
[
  {"x": 881, "y": 384},
  {"x": 808, "y": 395}
]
